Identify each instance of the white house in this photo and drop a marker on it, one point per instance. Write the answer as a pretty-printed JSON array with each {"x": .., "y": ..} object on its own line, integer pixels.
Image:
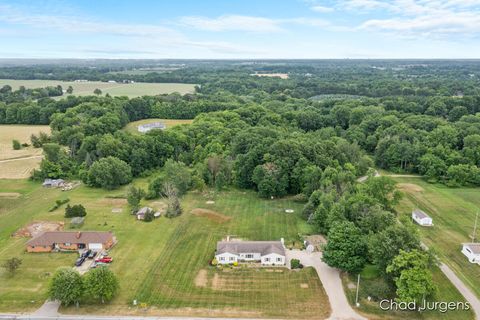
[
  {"x": 472, "y": 252},
  {"x": 265, "y": 252},
  {"x": 422, "y": 218},
  {"x": 150, "y": 126}
]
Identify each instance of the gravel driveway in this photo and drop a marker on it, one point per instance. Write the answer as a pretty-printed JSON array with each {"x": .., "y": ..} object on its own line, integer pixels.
[{"x": 330, "y": 278}]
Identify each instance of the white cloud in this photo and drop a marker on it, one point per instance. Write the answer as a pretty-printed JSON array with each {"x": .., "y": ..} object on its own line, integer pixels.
[
  {"x": 248, "y": 23},
  {"x": 322, "y": 9}
]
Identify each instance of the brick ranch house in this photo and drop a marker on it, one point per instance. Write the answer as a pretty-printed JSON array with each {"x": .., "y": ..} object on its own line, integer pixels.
[{"x": 70, "y": 240}]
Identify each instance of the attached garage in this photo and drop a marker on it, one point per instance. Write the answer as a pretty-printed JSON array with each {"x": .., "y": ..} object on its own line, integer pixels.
[{"x": 95, "y": 246}]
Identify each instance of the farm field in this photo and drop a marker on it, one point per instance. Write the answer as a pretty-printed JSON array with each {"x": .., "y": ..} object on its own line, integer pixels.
[
  {"x": 165, "y": 263},
  {"x": 17, "y": 164},
  {"x": 453, "y": 212},
  {"x": 132, "y": 126},
  {"x": 114, "y": 89}
]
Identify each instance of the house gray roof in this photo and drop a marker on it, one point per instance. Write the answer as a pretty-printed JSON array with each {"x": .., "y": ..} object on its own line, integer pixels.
[
  {"x": 262, "y": 247},
  {"x": 144, "y": 210},
  {"x": 52, "y": 237},
  {"x": 419, "y": 213},
  {"x": 474, "y": 247}
]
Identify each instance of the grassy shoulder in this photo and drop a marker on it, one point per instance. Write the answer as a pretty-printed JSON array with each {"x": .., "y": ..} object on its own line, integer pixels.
[
  {"x": 164, "y": 264},
  {"x": 453, "y": 212},
  {"x": 372, "y": 285}
]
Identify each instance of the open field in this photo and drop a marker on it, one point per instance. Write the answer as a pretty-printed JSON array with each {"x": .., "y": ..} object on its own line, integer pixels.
[
  {"x": 165, "y": 263},
  {"x": 453, "y": 212},
  {"x": 16, "y": 164},
  {"x": 114, "y": 89},
  {"x": 370, "y": 277},
  {"x": 132, "y": 126}
]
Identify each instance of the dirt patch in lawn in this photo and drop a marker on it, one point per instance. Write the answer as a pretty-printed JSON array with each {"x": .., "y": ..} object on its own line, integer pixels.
[
  {"x": 159, "y": 206},
  {"x": 217, "y": 282},
  {"x": 9, "y": 195},
  {"x": 201, "y": 279},
  {"x": 35, "y": 228},
  {"x": 211, "y": 215},
  {"x": 409, "y": 187},
  {"x": 304, "y": 285}
]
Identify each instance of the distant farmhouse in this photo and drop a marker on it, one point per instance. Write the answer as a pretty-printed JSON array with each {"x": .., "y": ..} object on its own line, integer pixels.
[
  {"x": 70, "y": 240},
  {"x": 472, "y": 252},
  {"x": 422, "y": 218},
  {"x": 150, "y": 126},
  {"x": 265, "y": 252},
  {"x": 53, "y": 183}
]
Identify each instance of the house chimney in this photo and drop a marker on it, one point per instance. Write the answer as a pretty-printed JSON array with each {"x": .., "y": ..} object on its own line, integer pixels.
[
  {"x": 78, "y": 235},
  {"x": 228, "y": 238},
  {"x": 282, "y": 241}
]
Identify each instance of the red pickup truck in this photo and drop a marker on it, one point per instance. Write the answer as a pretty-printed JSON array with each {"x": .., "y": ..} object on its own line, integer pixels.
[{"x": 104, "y": 260}]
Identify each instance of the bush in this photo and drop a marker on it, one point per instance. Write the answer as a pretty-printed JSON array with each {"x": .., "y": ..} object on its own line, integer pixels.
[
  {"x": 75, "y": 211},
  {"x": 295, "y": 264},
  {"x": 58, "y": 204},
  {"x": 149, "y": 216},
  {"x": 16, "y": 145},
  {"x": 213, "y": 262}
]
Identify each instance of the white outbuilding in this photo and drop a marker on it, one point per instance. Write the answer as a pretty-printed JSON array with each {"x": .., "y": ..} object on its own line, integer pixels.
[
  {"x": 472, "y": 252},
  {"x": 422, "y": 218}
]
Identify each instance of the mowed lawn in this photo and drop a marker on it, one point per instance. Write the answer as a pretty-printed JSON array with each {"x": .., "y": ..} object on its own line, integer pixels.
[
  {"x": 164, "y": 264},
  {"x": 453, "y": 211},
  {"x": 132, "y": 127},
  {"x": 114, "y": 89},
  {"x": 16, "y": 164}
]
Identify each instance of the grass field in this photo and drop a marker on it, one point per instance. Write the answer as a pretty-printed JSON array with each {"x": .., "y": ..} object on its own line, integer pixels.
[
  {"x": 16, "y": 164},
  {"x": 132, "y": 126},
  {"x": 446, "y": 292},
  {"x": 114, "y": 89},
  {"x": 453, "y": 212},
  {"x": 165, "y": 263}
]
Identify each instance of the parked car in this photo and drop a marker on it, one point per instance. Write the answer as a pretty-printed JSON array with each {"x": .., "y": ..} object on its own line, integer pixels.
[
  {"x": 104, "y": 260},
  {"x": 79, "y": 261},
  {"x": 86, "y": 253},
  {"x": 92, "y": 254}
]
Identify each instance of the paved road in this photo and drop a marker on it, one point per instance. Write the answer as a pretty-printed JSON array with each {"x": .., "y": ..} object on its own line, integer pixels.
[
  {"x": 464, "y": 290},
  {"x": 330, "y": 278},
  {"x": 74, "y": 317}
]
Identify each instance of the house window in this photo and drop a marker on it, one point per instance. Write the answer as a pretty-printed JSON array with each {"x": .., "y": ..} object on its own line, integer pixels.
[
  {"x": 279, "y": 259},
  {"x": 468, "y": 250},
  {"x": 249, "y": 256},
  {"x": 267, "y": 259},
  {"x": 232, "y": 258},
  {"x": 222, "y": 258},
  {"x": 67, "y": 244}
]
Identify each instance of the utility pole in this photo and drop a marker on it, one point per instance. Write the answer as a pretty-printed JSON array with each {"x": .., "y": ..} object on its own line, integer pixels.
[{"x": 358, "y": 287}]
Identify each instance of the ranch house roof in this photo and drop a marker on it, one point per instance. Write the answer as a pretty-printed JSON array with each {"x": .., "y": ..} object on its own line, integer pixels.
[
  {"x": 262, "y": 247},
  {"x": 49, "y": 238}
]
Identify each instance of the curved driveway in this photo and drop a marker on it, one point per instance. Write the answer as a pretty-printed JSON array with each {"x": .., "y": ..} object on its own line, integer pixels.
[{"x": 330, "y": 278}]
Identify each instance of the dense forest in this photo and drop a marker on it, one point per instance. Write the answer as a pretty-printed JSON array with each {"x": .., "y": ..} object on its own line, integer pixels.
[{"x": 311, "y": 135}]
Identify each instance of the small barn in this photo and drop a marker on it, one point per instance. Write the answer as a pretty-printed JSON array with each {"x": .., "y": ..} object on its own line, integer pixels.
[
  {"x": 422, "y": 218},
  {"x": 53, "y": 183},
  {"x": 472, "y": 252}
]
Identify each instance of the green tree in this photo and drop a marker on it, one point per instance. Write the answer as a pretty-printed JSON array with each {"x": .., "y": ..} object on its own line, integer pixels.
[
  {"x": 97, "y": 91},
  {"x": 16, "y": 145},
  {"x": 12, "y": 264},
  {"x": 70, "y": 90},
  {"x": 109, "y": 173},
  {"x": 346, "y": 248},
  {"x": 67, "y": 286},
  {"x": 101, "y": 284},
  {"x": 413, "y": 279},
  {"x": 134, "y": 196}
]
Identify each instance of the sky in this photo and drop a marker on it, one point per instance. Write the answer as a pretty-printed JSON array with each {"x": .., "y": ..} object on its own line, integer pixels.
[{"x": 240, "y": 29}]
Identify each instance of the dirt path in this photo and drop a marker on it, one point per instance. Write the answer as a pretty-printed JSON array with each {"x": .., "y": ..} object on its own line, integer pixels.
[
  {"x": 330, "y": 278},
  {"x": 464, "y": 290},
  {"x": 19, "y": 159}
]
